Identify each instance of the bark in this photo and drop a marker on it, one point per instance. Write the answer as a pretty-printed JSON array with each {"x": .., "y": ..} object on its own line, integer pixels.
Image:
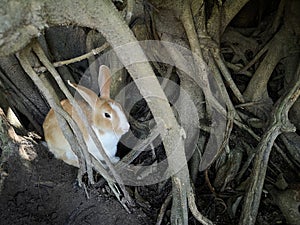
[{"x": 21, "y": 93}]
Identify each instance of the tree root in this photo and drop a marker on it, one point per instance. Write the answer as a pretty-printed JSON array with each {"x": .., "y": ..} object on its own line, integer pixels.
[{"x": 279, "y": 123}]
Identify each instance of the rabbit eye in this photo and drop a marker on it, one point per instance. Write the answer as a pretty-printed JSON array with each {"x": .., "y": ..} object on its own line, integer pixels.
[{"x": 107, "y": 115}]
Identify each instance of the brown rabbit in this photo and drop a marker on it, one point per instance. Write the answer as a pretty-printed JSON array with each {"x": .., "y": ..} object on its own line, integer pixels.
[{"x": 104, "y": 114}]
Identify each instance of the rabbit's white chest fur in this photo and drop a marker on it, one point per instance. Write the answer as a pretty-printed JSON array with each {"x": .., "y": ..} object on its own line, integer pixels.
[{"x": 109, "y": 143}]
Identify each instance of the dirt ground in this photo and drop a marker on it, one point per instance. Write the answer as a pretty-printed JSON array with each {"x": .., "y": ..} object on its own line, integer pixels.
[
  {"x": 44, "y": 191},
  {"x": 36, "y": 188}
]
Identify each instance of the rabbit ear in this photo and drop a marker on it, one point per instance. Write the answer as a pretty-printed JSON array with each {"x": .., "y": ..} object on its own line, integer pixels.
[
  {"x": 89, "y": 96},
  {"x": 104, "y": 80}
]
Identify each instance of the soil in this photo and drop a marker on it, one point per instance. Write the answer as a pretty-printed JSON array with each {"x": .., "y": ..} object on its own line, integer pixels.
[
  {"x": 36, "y": 188},
  {"x": 44, "y": 191}
]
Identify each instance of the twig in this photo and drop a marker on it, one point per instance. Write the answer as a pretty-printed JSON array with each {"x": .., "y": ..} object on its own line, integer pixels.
[
  {"x": 76, "y": 59},
  {"x": 163, "y": 209},
  {"x": 230, "y": 114},
  {"x": 247, "y": 104},
  {"x": 246, "y": 163},
  {"x": 189, "y": 27},
  {"x": 246, "y": 128},
  {"x": 279, "y": 123},
  {"x": 256, "y": 58},
  {"x": 207, "y": 180},
  {"x": 193, "y": 207},
  {"x": 85, "y": 190},
  {"x": 226, "y": 74}
]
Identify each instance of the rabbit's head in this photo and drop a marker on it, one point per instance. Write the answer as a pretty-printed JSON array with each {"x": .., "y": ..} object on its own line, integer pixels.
[{"x": 108, "y": 116}]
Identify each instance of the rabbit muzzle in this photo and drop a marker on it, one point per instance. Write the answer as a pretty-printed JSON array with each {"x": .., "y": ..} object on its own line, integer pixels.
[{"x": 125, "y": 127}]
